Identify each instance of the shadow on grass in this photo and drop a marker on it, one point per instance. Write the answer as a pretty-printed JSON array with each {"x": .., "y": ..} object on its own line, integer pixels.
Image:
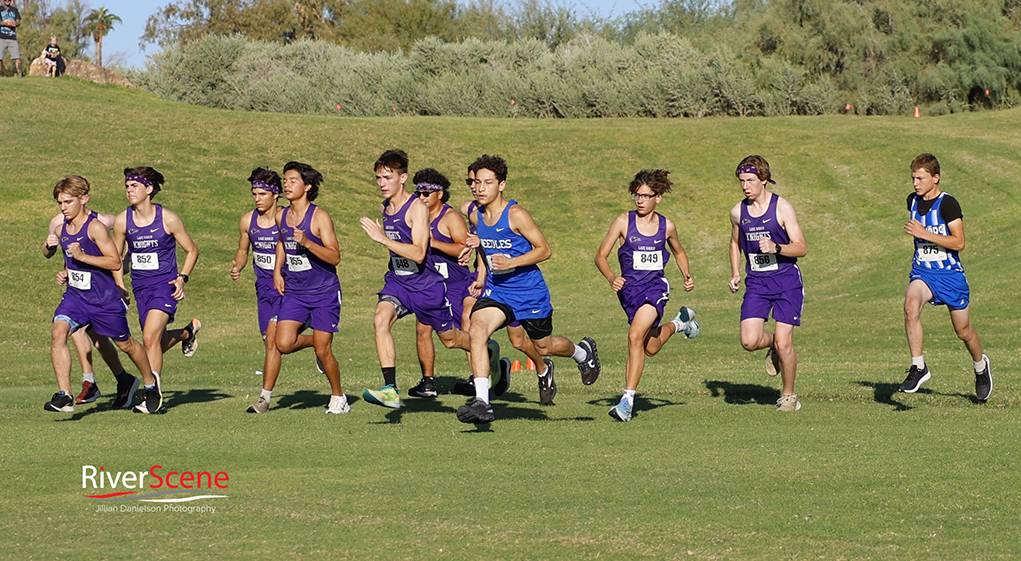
[
  {"x": 641, "y": 405},
  {"x": 172, "y": 399},
  {"x": 306, "y": 399},
  {"x": 743, "y": 394},
  {"x": 884, "y": 392}
]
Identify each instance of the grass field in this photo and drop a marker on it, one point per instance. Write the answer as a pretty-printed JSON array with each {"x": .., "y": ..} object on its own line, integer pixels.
[{"x": 707, "y": 470}]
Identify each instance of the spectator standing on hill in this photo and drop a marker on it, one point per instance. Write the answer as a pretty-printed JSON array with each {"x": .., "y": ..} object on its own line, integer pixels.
[
  {"x": 937, "y": 276},
  {"x": 765, "y": 228},
  {"x": 10, "y": 20}
]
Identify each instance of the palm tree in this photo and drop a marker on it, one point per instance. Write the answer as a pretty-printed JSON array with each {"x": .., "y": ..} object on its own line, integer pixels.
[{"x": 100, "y": 22}]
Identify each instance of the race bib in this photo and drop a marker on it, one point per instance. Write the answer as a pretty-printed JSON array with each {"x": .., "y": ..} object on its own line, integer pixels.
[
  {"x": 647, "y": 261},
  {"x": 928, "y": 252},
  {"x": 402, "y": 266},
  {"x": 145, "y": 261},
  {"x": 266, "y": 261},
  {"x": 489, "y": 264},
  {"x": 441, "y": 268},
  {"x": 82, "y": 280},
  {"x": 760, "y": 262},
  {"x": 297, "y": 263}
]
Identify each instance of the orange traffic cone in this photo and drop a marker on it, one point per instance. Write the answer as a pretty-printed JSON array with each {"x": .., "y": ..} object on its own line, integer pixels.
[
  {"x": 516, "y": 367},
  {"x": 917, "y": 114},
  {"x": 531, "y": 364}
]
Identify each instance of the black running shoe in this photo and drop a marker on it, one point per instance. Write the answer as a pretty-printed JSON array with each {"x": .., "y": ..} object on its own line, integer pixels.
[
  {"x": 425, "y": 388},
  {"x": 915, "y": 379},
  {"x": 476, "y": 412},
  {"x": 60, "y": 403},
  {"x": 589, "y": 367},
  {"x": 126, "y": 389},
  {"x": 984, "y": 382},
  {"x": 152, "y": 401},
  {"x": 466, "y": 388},
  {"x": 503, "y": 383},
  {"x": 547, "y": 385}
]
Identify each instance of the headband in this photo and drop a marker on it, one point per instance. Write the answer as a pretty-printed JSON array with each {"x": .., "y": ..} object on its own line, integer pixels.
[
  {"x": 752, "y": 170},
  {"x": 139, "y": 179},
  {"x": 260, "y": 184},
  {"x": 428, "y": 187}
]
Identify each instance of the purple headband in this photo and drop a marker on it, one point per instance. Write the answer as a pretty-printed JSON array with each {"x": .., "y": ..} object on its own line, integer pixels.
[
  {"x": 260, "y": 184},
  {"x": 139, "y": 179},
  {"x": 752, "y": 170},
  {"x": 428, "y": 187}
]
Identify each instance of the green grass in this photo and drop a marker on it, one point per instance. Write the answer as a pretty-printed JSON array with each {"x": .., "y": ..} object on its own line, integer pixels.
[{"x": 706, "y": 470}]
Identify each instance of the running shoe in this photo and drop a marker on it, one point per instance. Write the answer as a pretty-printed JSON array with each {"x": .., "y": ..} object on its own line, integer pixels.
[
  {"x": 260, "y": 406},
  {"x": 467, "y": 387},
  {"x": 691, "y": 330},
  {"x": 387, "y": 396},
  {"x": 547, "y": 385},
  {"x": 686, "y": 316},
  {"x": 338, "y": 405},
  {"x": 60, "y": 403},
  {"x": 772, "y": 362},
  {"x": 984, "y": 381},
  {"x": 788, "y": 403},
  {"x": 90, "y": 393},
  {"x": 152, "y": 400},
  {"x": 501, "y": 385},
  {"x": 476, "y": 412},
  {"x": 915, "y": 379},
  {"x": 621, "y": 411},
  {"x": 589, "y": 367},
  {"x": 126, "y": 393},
  {"x": 191, "y": 344},
  {"x": 426, "y": 388}
]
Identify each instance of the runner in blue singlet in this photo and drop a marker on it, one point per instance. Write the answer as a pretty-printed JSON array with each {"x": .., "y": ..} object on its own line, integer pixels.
[{"x": 937, "y": 276}]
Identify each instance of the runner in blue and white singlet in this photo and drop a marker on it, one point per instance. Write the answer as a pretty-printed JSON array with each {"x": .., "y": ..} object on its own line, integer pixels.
[{"x": 522, "y": 289}]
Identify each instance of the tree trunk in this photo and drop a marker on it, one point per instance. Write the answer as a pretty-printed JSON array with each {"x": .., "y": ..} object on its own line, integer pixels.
[{"x": 99, "y": 51}]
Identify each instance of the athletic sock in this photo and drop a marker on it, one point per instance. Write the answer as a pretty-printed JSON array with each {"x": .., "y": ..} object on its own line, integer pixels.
[
  {"x": 390, "y": 376},
  {"x": 678, "y": 325},
  {"x": 266, "y": 394},
  {"x": 544, "y": 372},
  {"x": 482, "y": 388},
  {"x": 918, "y": 361},
  {"x": 89, "y": 377},
  {"x": 579, "y": 355},
  {"x": 629, "y": 395},
  {"x": 980, "y": 366}
]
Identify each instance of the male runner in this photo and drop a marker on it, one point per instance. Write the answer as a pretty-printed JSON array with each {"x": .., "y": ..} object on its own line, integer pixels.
[
  {"x": 646, "y": 240},
  {"x": 311, "y": 289},
  {"x": 412, "y": 285},
  {"x": 765, "y": 227},
  {"x": 512, "y": 246},
  {"x": 151, "y": 234},
  {"x": 84, "y": 339},
  {"x": 92, "y": 295},
  {"x": 937, "y": 276}
]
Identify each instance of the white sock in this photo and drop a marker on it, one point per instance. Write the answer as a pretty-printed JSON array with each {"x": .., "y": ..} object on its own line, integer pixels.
[
  {"x": 266, "y": 394},
  {"x": 918, "y": 361},
  {"x": 678, "y": 325},
  {"x": 629, "y": 395},
  {"x": 980, "y": 366},
  {"x": 482, "y": 388},
  {"x": 89, "y": 377},
  {"x": 545, "y": 369},
  {"x": 579, "y": 355}
]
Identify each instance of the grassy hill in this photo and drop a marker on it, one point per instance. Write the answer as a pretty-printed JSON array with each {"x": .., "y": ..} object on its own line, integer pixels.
[{"x": 707, "y": 469}]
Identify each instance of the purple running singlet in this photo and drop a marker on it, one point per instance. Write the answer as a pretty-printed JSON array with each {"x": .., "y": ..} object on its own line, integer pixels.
[
  {"x": 418, "y": 287},
  {"x": 457, "y": 277},
  {"x": 153, "y": 256},
  {"x": 311, "y": 286},
  {"x": 642, "y": 262},
  {"x": 773, "y": 282},
  {"x": 264, "y": 258}
]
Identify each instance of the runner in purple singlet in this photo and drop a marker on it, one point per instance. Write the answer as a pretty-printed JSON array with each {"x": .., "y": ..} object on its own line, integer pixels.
[
  {"x": 92, "y": 295},
  {"x": 412, "y": 285},
  {"x": 85, "y": 339},
  {"x": 646, "y": 240},
  {"x": 259, "y": 231},
  {"x": 150, "y": 234},
  {"x": 309, "y": 250},
  {"x": 765, "y": 228}
]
